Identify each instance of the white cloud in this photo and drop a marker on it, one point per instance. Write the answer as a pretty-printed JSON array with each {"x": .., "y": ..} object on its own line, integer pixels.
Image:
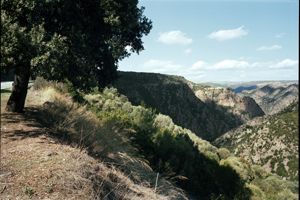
[
  {"x": 233, "y": 67},
  {"x": 284, "y": 64},
  {"x": 169, "y": 67},
  {"x": 261, "y": 64},
  {"x": 161, "y": 66},
  {"x": 241, "y": 64},
  {"x": 228, "y": 34},
  {"x": 188, "y": 51},
  {"x": 269, "y": 48},
  {"x": 199, "y": 65},
  {"x": 226, "y": 64},
  {"x": 174, "y": 37},
  {"x": 231, "y": 64}
]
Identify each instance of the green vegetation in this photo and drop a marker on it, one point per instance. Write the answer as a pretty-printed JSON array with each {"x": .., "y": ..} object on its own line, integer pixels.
[
  {"x": 272, "y": 142},
  {"x": 80, "y": 43},
  {"x": 29, "y": 191},
  {"x": 78, "y": 40},
  {"x": 177, "y": 153},
  {"x": 173, "y": 96},
  {"x": 286, "y": 125},
  {"x": 294, "y": 106}
]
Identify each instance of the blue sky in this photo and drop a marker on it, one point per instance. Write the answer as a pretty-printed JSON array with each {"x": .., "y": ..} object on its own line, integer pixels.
[{"x": 220, "y": 40}]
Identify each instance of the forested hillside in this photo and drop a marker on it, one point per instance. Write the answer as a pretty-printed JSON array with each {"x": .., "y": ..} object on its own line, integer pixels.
[{"x": 271, "y": 142}]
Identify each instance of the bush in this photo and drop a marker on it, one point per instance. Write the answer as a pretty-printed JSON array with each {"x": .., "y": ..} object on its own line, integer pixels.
[
  {"x": 176, "y": 152},
  {"x": 240, "y": 167},
  {"x": 223, "y": 153}
]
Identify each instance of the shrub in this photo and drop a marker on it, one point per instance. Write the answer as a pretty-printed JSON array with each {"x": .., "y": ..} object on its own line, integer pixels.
[
  {"x": 241, "y": 168},
  {"x": 170, "y": 149},
  {"x": 257, "y": 193},
  {"x": 223, "y": 153}
]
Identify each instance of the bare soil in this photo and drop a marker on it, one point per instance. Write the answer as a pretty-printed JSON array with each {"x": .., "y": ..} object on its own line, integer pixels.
[{"x": 35, "y": 166}]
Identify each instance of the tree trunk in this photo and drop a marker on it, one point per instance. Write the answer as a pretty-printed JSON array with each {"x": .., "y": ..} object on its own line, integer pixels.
[{"x": 17, "y": 98}]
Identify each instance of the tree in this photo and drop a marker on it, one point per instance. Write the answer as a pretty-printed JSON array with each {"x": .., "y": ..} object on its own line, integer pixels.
[{"x": 78, "y": 40}]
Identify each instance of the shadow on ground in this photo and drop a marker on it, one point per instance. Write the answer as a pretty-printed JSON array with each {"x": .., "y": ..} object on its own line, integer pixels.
[{"x": 18, "y": 126}]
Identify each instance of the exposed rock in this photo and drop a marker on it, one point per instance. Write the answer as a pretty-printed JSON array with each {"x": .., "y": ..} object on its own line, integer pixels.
[
  {"x": 273, "y": 98},
  {"x": 244, "y": 107}
]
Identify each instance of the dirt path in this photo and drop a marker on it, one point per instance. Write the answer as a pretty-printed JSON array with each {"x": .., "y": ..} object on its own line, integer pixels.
[{"x": 36, "y": 166}]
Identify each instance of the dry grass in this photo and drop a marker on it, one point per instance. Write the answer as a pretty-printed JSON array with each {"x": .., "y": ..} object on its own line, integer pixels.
[
  {"x": 41, "y": 168},
  {"x": 36, "y": 164},
  {"x": 81, "y": 126},
  {"x": 4, "y": 98}
]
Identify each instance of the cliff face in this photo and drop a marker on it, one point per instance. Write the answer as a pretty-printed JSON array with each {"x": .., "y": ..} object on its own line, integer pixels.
[
  {"x": 243, "y": 107},
  {"x": 270, "y": 141},
  {"x": 177, "y": 97},
  {"x": 273, "y": 98}
]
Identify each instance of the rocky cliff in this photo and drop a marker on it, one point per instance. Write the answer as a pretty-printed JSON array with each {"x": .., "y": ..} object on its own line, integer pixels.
[{"x": 243, "y": 107}]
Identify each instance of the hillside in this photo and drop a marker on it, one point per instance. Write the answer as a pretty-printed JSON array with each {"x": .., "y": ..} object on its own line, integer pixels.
[
  {"x": 47, "y": 158},
  {"x": 275, "y": 97},
  {"x": 239, "y": 89},
  {"x": 126, "y": 146},
  {"x": 240, "y": 86},
  {"x": 183, "y": 101},
  {"x": 271, "y": 142}
]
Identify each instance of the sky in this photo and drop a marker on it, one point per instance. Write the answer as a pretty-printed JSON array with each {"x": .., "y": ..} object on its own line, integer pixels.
[{"x": 220, "y": 40}]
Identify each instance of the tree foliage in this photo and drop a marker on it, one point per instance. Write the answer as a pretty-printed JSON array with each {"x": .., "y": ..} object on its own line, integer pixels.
[{"x": 78, "y": 40}]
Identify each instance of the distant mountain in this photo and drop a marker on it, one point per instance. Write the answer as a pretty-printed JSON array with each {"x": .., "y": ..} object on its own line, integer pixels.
[
  {"x": 275, "y": 97},
  {"x": 242, "y": 88},
  {"x": 183, "y": 102},
  {"x": 270, "y": 141},
  {"x": 234, "y": 85}
]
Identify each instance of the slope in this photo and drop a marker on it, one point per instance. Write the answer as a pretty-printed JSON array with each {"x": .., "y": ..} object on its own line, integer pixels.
[
  {"x": 180, "y": 99},
  {"x": 273, "y": 98},
  {"x": 244, "y": 108},
  {"x": 271, "y": 142},
  {"x": 42, "y": 161},
  {"x": 134, "y": 140}
]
